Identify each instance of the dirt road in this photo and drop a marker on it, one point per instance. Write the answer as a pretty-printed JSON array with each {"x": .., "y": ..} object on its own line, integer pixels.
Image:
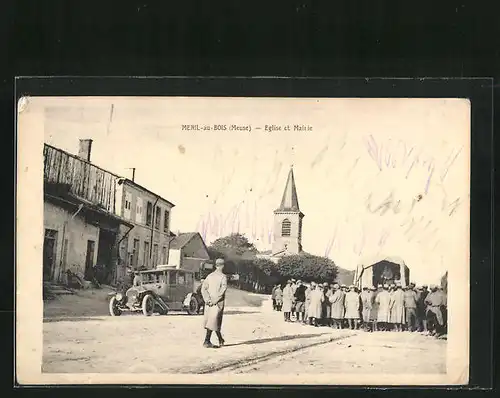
[
  {"x": 365, "y": 353},
  {"x": 80, "y": 338}
]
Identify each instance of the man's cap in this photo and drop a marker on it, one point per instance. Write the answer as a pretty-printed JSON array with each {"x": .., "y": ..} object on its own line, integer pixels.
[
  {"x": 335, "y": 285},
  {"x": 373, "y": 288},
  {"x": 219, "y": 261},
  {"x": 386, "y": 285},
  {"x": 325, "y": 284},
  {"x": 352, "y": 287}
]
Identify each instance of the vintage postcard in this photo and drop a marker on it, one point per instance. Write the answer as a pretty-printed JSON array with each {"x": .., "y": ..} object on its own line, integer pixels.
[{"x": 200, "y": 240}]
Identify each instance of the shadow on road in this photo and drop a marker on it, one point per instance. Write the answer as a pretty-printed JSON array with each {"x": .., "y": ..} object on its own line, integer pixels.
[
  {"x": 71, "y": 319},
  {"x": 238, "y": 312},
  {"x": 280, "y": 338}
]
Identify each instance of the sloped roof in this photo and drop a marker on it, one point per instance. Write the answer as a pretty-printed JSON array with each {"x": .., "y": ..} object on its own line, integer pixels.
[
  {"x": 289, "y": 201},
  {"x": 182, "y": 240}
]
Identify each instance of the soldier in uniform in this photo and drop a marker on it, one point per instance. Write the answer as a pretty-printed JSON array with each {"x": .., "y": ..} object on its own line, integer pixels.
[
  {"x": 278, "y": 296},
  {"x": 273, "y": 296},
  {"x": 352, "y": 306},
  {"x": 367, "y": 303},
  {"x": 435, "y": 301},
  {"x": 214, "y": 293},
  {"x": 397, "y": 307},
  {"x": 410, "y": 299},
  {"x": 287, "y": 301},
  {"x": 300, "y": 299},
  {"x": 307, "y": 303},
  {"x": 383, "y": 299},
  {"x": 422, "y": 309},
  {"x": 374, "y": 309}
]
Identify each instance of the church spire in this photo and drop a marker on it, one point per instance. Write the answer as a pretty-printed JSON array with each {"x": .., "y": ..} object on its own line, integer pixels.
[{"x": 290, "y": 201}]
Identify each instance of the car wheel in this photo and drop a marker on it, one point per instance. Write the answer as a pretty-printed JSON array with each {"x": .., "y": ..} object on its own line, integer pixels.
[
  {"x": 148, "y": 305},
  {"x": 193, "y": 306},
  {"x": 113, "y": 307}
]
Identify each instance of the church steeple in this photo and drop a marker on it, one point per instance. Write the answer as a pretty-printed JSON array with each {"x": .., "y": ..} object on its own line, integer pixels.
[
  {"x": 290, "y": 201},
  {"x": 288, "y": 221}
]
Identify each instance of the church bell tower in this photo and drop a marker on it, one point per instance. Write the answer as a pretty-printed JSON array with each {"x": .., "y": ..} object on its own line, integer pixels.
[{"x": 288, "y": 221}]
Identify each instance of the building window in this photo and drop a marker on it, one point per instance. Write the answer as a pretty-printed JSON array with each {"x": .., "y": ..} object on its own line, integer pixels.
[
  {"x": 135, "y": 253},
  {"x": 146, "y": 254},
  {"x": 157, "y": 217},
  {"x": 138, "y": 211},
  {"x": 127, "y": 206},
  {"x": 166, "y": 221},
  {"x": 164, "y": 255},
  {"x": 155, "y": 255},
  {"x": 149, "y": 213},
  {"x": 286, "y": 227}
]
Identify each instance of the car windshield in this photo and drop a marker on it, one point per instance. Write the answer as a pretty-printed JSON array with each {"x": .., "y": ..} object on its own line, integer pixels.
[{"x": 151, "y": 277}]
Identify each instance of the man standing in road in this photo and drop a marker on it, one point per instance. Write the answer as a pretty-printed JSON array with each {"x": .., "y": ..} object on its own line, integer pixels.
[
  {"x": 287, "y": 301},
  {"x": 278, "y": 296},
  {"x": 294, "y": 288},
  {"x": 337, "y": 303},
  {"x": 367, "y": 302},
  {"x": 374, "y": 308},
  {"x": 352, "y": 306},
  {"x": 317, "y": 299},
  {"x": 422, "y": 309},
  {"x": 436, "y": 302},
  {"x": 326, "y": 309},
  {"x": 214, "y": 293},
  {"x": 397, "y": 308},
  {"x": 300, "y": 299},
  {"x": 307, "y": 303},
  {"x": 382, "y": 300},
  {"x": 410, "y": 298},
  {"x": 273, "y": 297}
]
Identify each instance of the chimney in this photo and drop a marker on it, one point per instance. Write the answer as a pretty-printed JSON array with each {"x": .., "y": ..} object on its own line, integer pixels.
[{"x": 85, "y": 149}]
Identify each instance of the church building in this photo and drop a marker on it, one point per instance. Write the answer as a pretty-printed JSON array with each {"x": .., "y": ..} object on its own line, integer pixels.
[{"x": 287, "y": 237}]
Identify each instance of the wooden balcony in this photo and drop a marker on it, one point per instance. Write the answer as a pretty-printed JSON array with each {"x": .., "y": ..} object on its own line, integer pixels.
[{"x": 65, "y": 173}]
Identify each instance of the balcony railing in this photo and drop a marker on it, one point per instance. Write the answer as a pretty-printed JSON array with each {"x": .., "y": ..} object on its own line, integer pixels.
[{"x": 80, "y": 178}]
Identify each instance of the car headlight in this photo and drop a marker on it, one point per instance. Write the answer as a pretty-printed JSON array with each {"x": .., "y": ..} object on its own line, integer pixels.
[{"x": 119, "y": 296}]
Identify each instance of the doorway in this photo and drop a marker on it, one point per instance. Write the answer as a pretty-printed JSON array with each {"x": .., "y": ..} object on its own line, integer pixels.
[
  {"x": 89, "y": 260},
  {"x": 107, "y": 241},
  {"x": 49, "y": 254},
  {"x": 386, "y": 272}
]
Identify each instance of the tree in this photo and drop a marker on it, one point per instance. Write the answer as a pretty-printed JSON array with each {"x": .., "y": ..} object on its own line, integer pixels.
[
  {"x": 306, "y": 267},
  {"x": 236, "y": 243}
]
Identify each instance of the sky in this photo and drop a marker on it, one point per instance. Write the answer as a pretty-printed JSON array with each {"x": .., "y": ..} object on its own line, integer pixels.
[{"x": 375, "y": 177}]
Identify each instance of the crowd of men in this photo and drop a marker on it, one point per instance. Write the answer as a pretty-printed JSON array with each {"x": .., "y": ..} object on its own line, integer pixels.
[{"x": 387, "y": 307}]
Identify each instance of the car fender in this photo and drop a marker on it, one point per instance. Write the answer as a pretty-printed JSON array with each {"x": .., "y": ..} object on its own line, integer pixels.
[{"x": 187, "y": 299}]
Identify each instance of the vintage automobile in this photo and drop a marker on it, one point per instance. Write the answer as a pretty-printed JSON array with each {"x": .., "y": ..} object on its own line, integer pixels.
[{"x": 159, "y": 291}]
